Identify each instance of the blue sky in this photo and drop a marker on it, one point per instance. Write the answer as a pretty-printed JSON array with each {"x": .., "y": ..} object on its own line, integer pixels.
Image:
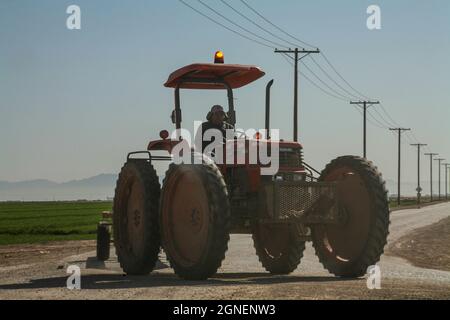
[{"x": 73, "y": 103}]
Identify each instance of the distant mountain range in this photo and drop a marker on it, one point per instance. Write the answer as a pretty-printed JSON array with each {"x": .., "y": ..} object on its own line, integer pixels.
[{"x": 99, "y": 187}]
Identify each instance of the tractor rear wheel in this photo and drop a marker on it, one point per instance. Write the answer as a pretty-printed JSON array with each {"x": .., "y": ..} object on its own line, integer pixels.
[
  {"x": 194, "y": 219},
  {"x": 279, "y": 247},
  {"x": 349, "y": 248},
  {"x": 135, "y": 218}
]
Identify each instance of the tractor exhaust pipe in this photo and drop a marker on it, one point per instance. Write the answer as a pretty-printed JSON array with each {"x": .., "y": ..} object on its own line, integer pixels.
[{"x": 269, "y": 85}]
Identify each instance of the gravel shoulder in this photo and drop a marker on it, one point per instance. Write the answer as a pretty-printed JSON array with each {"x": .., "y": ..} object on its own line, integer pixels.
[{"x": 426, "y": 247}]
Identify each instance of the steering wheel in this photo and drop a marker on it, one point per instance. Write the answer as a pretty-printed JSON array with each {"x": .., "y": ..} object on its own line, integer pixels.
[{"x": 241, "y": 134}]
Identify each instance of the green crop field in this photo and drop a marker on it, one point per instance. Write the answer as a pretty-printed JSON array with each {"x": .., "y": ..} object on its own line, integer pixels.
[{"x": 31, "y": 222}]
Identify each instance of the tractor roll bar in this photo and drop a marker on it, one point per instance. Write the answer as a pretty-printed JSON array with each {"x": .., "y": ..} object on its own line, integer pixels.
[{"x": 231, "y": 111}]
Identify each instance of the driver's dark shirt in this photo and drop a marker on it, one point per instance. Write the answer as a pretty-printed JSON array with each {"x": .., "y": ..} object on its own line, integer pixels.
[{"x": 209, "y": 125}]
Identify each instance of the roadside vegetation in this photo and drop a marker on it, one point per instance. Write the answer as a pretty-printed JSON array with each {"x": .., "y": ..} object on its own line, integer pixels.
[{"x": 406, "y": 203}]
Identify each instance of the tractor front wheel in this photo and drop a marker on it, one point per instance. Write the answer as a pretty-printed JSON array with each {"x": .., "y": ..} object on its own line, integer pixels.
[
  {"x": 194, "y": 219},
  {"x": 350, "y": 247},
  {"x": 279, "y": 247}
]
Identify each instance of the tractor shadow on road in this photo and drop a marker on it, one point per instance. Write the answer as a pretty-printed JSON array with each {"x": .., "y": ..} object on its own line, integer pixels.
[{"x": 121, "y": 281}]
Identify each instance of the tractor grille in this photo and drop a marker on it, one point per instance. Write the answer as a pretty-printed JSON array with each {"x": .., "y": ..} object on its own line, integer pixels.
[
  {"x": 298, "y": 196},
  {"x": 290, "y": 157}
]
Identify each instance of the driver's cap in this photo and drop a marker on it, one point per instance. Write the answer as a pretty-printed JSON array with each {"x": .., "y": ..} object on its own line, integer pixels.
[{"x": 217, "y": 108}]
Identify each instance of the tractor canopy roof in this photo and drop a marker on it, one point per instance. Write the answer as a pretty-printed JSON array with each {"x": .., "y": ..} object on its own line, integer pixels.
[{"x": 213, "y": 75}]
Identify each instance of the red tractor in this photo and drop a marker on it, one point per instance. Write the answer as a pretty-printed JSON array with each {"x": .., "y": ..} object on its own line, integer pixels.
[{"x": 344, "y": 212}]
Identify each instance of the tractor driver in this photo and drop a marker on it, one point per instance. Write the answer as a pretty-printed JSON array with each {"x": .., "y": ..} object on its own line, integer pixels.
[{"x": 216, "y": 120}]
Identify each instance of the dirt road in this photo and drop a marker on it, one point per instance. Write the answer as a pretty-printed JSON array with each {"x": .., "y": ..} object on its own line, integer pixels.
[{"x": 241, "y": 276}]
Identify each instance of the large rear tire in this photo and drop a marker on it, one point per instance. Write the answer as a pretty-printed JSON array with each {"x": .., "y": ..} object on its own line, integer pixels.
[
  {"x": 279, "y": 247},
  {"x": 135, "y": 219},
  {"x": 195, "y": 219},
  {"x": 348, "y": 249}
]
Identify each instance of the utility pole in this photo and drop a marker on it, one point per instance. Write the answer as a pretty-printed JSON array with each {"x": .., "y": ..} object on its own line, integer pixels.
[
  {"x": 399, "y": 130},
  {"x": 448, "y": 175},
  {"x": 365, "y": 105},
  {"x": 446, "y": 165},
  {"x": 431, "y": 173},
  {"x": 296, "y": 59},
  {"x": 439, "y": 179},
  {"x": 419, "y": 189}
]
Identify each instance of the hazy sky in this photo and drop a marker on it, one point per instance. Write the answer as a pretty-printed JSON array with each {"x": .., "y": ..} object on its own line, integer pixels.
[{"x": 74, "y": 102}]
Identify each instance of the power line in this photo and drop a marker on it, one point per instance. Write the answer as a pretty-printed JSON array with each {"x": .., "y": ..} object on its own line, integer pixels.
[
  {"x": 224, "y": 26},
  {"x": 380, "y": 124},
  {"x": 412, "y": 133},
  {"x": 389, "y": 124},
  {"x": 340, "y": 76},
  {"x": 256, "y": 24},
  {"x": 412, "y": 137},
  {"x": 369, "y": 119},
  {"x": 386, "y": 123},
  {"x": 239, "y": 26},
  {"x": 334, "y": 81},
  {"x": 324, "y": 83},
  {"x": 314, "y": 83},
  {"x": 275, "y": 26},
  {"x": 388, "y": 115},
  {"x": 339, "y": 98}
]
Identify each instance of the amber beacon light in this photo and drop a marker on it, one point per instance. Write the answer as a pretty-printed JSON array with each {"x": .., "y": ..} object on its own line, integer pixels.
[{"x": 218, "y": 57}]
